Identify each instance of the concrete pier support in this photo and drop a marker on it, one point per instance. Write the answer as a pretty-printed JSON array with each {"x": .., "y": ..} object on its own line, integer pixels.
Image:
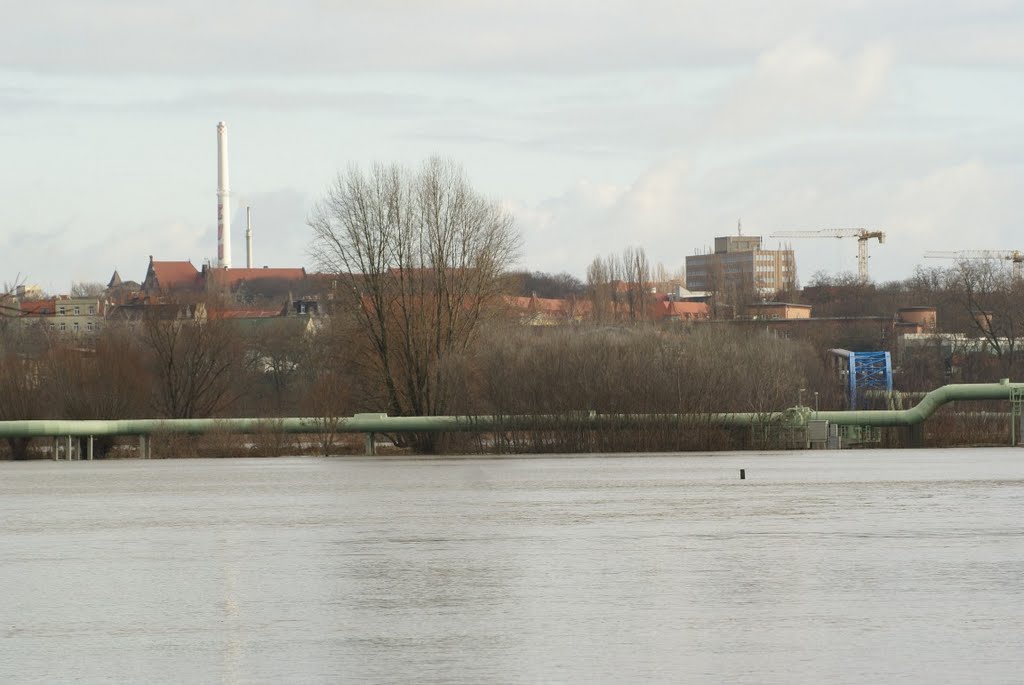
[
  {"x": 89, "y": 447},
  {"x": 56, "y": 449},
  {"x": 145, "y": 447},
  {"x": 371, "y": 445},
  {"x": 68, "y": 453},
  {"x": 915, "y": 435}
]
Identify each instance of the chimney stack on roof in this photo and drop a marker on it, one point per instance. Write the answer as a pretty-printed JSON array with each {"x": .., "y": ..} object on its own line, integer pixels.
[{"x": 248, "y": 237}]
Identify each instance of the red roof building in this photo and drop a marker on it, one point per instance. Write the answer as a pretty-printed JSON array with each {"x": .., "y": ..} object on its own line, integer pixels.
[
  {"x": 168, "y": 276},
  {"x": 543, "y": 311},
  {"x": 39, "y": 308},
  {"x": 667, "y": 310},
  {"x": 231, "y": 279}
]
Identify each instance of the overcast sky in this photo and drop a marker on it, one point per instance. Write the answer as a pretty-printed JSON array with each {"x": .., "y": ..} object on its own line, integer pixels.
[{"x": 599, "y": 124}]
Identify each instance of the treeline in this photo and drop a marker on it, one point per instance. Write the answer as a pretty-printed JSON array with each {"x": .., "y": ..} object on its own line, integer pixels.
[
  {"x": 153, "y": 368},
  {"x": 186, "y": 369}
]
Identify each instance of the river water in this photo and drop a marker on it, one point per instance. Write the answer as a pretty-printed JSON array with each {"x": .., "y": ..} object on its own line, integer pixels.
[{"x": 842, "y": 567}]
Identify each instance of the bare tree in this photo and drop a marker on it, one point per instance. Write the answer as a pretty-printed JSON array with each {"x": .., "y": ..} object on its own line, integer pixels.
[
  {"x": 636, "y": 272},
  {"x": 994, "y": 301},
  {"x": 540, "y": 284},
  {"x": 329, "y": 376},
  {"x": 620, "y": 286},
  {"x": 107, "y": 381},
  {"x": 87, "y": 289},
  {"x": 196, "y": 365},
  {"x": 601, "y": 275},
  {"x": 278, "y": 350},
  {"x": 20, "y": 396},
  {"x": 420, "y": 255}
]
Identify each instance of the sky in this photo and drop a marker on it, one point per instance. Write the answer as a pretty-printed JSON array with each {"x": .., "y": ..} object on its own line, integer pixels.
[{"x": 599, "y": 124}]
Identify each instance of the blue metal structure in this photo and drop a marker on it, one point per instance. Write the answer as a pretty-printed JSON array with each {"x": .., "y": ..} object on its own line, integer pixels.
[{"x": 869, "y": 370}]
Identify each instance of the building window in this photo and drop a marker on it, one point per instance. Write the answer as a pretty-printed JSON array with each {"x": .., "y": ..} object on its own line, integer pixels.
[
  {"x": 88, "y": 326},
  {"x": 60, "y": 310},
  {"x": 52, "y": 326},
  {"x": 78, "y": 310},
  {"x": 63, "y": 326},
  {"x": 92, "y": 309},
  {"x": 76, "y": 327}
]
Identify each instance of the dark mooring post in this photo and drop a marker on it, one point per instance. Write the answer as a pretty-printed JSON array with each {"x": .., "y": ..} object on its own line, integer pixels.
[{"x": 743, "y": 474}]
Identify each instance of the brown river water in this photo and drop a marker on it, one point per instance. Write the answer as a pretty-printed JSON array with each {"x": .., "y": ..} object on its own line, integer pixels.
[{"x": 875, "y": 566}]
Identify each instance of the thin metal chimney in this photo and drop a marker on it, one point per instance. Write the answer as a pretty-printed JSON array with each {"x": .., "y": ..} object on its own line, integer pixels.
[
  {"x": 223, "y": 199},
  {"x": 248, "y": 237}
]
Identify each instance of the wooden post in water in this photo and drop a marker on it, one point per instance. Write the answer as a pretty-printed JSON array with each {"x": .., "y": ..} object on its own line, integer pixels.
[{"x": 743, "y": 474}]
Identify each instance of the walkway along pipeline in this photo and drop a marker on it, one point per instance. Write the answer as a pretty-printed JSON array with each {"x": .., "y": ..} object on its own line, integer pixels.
[{"x": 370, "y": 424}]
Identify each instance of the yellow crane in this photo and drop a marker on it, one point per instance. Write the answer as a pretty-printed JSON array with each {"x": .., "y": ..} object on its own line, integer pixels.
[
  {"x": 1014, "y": 256},
  {"x": 862, "y": 235}
]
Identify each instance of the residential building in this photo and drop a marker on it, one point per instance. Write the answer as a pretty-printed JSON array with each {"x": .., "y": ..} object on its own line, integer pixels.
[{"x": 78, "y": 315}]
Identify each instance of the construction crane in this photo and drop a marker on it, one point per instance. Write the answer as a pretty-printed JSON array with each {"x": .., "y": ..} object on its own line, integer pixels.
[
  {"x": 861, "y": 234},
  {"x": 1014, "y": 256}
]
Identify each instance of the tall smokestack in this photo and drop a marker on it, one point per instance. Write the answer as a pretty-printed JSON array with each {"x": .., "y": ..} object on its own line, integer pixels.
[
  {"x": 223, "y": 199},
  {"x": 248, "y": 237}
]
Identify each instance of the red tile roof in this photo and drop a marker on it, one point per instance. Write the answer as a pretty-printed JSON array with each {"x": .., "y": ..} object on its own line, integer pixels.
[
  {"x": 244, "y": 313},
  {"x": 38, "y": 307},
  {"x": 549, "y": 306},
  {"x": 232, "y": 277},
  {"x": 681, "y": 310},
  {"x": 172, "y": 276}
]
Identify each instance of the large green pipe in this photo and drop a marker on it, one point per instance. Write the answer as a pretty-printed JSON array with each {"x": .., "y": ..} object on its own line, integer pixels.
[
  {"x": 360, "y": 423},
  {"x": 928, "y": 405},
  {"x": 382, "y": 423}
]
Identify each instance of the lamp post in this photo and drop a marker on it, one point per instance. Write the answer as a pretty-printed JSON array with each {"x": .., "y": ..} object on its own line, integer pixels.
[
  {"x": 800, "y": 397},
  {"x": 815, "y": 404}
]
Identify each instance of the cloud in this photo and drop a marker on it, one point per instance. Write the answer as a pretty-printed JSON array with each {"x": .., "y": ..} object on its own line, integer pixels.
[
  {"x": 966, "y": 206},
  {"x": 261, "y": 36},
  {"x": 280, "y": 235},
  {"x": 485, "y": 36},
  {"x": 799, "y": 83},
  {"x": 676, "y": 207},
  {"x": 590, "y": 219}
]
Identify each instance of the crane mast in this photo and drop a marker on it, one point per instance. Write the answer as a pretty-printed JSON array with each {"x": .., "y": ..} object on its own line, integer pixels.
[{"x": 861, "y": 234}]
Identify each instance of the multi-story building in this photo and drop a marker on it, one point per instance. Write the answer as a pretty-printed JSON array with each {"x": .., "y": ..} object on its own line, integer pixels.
[
  {"x": 739, "y": 263},
  {"x": 78, "y": 315}
]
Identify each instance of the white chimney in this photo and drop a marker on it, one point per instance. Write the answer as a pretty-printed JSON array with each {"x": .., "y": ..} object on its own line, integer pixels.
[
  {"x": 248, "y": 237},
  {"x": 223, "y": 199}
]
